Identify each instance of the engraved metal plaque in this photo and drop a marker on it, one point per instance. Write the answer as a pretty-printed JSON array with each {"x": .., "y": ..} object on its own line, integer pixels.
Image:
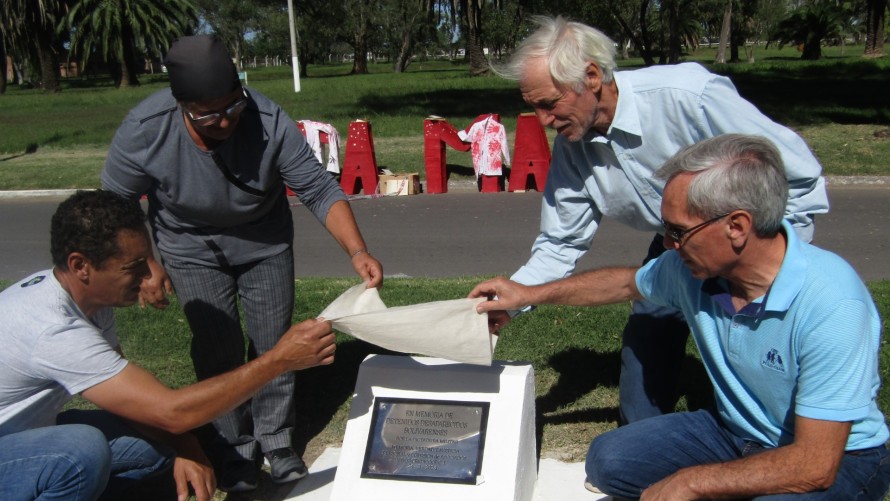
[{"x": 426, "y": 440}]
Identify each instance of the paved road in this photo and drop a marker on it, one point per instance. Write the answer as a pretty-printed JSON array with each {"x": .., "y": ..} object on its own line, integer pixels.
[{"x": 466, "y": 233}]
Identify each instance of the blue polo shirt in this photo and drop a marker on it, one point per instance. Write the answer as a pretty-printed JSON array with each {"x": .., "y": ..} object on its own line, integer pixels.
[{"x": 809, "y": 347}]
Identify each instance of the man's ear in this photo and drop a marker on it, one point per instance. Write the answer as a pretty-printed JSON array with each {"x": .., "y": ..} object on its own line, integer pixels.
[
  {"x": 740, "y": 224},
  {"x": 80, "y": 266},
  {"x": 594, "y": 77}
]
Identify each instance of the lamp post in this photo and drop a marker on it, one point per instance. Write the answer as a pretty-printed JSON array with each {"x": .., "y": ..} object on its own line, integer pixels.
[{"x": 295, "y": 62}]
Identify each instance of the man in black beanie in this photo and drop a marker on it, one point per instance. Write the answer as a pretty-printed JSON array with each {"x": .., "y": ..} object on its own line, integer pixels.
[{"x": 213, "y": 159}]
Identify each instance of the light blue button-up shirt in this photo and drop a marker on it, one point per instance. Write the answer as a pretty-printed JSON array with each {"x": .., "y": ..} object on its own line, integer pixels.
[{"x": 660, "y": 110}]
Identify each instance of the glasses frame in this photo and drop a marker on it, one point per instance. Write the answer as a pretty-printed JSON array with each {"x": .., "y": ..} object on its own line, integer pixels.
[
  {"x": 233, "y": 110},
  {"x": 678, "y": 235}
]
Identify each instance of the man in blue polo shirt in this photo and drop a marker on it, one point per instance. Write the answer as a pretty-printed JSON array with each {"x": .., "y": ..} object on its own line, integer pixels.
[{"x": 788, "y": 333}]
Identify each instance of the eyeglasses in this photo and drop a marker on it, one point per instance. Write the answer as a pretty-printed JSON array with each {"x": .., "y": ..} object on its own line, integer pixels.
[
  {"x": 677, "y": 235},
  {"x": 212, "y": 118}
]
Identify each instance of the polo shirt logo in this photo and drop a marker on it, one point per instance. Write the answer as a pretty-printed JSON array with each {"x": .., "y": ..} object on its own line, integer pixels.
[
  {"x": 773, "y": 360},
  {"x": 33, "y": 281}
]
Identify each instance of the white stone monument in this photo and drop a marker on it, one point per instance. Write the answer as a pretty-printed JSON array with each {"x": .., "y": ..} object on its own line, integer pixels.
[{"x": 432, "y": 429}]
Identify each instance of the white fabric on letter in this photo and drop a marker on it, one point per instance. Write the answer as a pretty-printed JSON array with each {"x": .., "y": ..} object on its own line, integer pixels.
[{"x": 446, "y": 329}]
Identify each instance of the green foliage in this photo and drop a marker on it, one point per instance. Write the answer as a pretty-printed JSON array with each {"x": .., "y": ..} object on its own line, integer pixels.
[{"x": 113, "y": 29}]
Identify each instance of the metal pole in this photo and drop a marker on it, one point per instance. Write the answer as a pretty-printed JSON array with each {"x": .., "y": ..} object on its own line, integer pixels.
[{"x": 293, "y": 45}]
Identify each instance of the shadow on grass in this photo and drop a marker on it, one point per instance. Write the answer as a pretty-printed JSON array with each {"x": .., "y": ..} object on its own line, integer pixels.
[
  {"x": 320, "y": 391},
  {"x": 583, "y": 370},
  {"x": 796, "y": 94}
]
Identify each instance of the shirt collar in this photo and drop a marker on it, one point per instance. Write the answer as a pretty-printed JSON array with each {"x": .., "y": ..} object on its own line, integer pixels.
[
  {"x": 781, "y": 292},
  {"x": 626, "y": 118}
]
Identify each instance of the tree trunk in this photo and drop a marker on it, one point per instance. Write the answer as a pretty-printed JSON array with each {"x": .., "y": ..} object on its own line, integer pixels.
[
  {"x": 735, "y": 41},
  {"x": 874, "y": 28},
  {"x": 406, "y": 48},
  {"x": 129, "y": 70},
  {"x": 674, "y": 51},
  {"x": 360, "y": 54},
  {"x": 645, "y": 42},
  {"x": 360, "y": 41},
  {"x": 724, "y": 33},
  {"x": 50, "y": 76},
  {"x": 5, "y": 64},
  {"x": 475, "y": 54}
]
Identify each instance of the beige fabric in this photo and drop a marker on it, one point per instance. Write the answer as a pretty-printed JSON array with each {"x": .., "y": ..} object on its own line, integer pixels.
[{"x": 446, "y": 329}]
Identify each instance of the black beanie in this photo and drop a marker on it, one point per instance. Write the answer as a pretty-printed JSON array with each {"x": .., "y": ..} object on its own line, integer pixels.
[{"x": 200, "y": 69}]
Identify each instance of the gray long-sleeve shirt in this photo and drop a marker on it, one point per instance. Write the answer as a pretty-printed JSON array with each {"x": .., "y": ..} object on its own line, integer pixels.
[{"x": 199, "y": 216}]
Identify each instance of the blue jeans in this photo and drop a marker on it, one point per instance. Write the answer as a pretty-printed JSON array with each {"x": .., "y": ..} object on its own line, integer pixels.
[
  {"x": 653, "y": 346},
  {"x": 624, "y": 461},
  {"x": 70, "y": 462},
  {"x": 134, "y": 459}
]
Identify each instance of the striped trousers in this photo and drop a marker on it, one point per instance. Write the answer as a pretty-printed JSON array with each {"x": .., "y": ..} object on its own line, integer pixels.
[{"x": 210, "y": 297}]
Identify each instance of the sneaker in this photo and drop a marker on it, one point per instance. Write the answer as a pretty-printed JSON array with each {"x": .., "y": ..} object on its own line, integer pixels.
[
  {"x": 286, "y": 465},
  {"x": 238, "y": 476},
  {"x": 590, "y": 487}
]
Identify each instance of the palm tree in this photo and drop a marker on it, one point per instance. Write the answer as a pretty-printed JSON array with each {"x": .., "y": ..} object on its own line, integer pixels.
[
  {"x": 874, "y": 33},
  {"x": 124, "y": 31},
  {"x": 29, "y": 26},
  {"x": 809, "y": 25}
]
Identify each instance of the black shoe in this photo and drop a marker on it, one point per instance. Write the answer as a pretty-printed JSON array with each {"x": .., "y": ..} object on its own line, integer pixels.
[
  {"x": 286, "y": 464},
  {"x": 238, "y": 476}
]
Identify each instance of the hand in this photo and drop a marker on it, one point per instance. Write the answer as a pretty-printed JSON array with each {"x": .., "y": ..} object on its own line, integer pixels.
[
  {"x": 193, "y": 469},
  {"x": 509, "y": 295},
  {"x": 368, "y": 268},
  {"x": 671, "y": 488},
  {"x": 308, "y": 344},
  {"x": 497, "y": 320},
  {"x": 155, "y": 288}
]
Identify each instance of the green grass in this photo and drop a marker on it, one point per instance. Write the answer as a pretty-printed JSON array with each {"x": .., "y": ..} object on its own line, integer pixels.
[{"x": 60, "y": 140}]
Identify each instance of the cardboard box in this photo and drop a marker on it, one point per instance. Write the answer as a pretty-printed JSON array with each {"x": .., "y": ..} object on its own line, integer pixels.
[{"x": 398, "y": 184}]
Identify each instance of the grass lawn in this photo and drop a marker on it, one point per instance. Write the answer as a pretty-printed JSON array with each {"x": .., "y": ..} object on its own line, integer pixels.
[{"x": 60, "y": 140}]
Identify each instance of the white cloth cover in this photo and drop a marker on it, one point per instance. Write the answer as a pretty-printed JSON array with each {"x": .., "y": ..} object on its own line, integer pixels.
[
  {"x": 313, "y": 129},
  {"x": 446, "y": 329}
]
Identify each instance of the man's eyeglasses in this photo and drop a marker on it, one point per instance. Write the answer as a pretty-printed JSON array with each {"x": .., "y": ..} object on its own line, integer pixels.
[
  {"x": 233, "y": 110},
  {"x": 677, "y": 235}
]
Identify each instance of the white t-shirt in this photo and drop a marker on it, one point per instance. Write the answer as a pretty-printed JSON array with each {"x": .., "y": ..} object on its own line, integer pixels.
[{"x": 51, "y": 351}]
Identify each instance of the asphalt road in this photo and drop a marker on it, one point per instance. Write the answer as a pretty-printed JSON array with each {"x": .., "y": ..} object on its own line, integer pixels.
[{"x": 468, "y": 233}]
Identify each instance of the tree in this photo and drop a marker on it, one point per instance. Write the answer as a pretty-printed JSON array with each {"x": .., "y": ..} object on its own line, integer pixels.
[
  {"x": 724, "y": 33},
  {"x": 2, "y": 62},
  {"x": 809, "y": 25},
  {"x": 231, "y": 20},
  {"x": 405, "y": 23},
  {"x": 358, "y": 31},
  {"x": 123, "y": 32},
  {"x": 30, "y": 26},
  {"x": 471, "y": 16},
  {"x": 874, "y": 28}
]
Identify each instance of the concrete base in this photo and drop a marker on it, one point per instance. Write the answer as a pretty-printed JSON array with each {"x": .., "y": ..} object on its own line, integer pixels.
[
  {"x": 508, "y": 469},
  {"x": 557, "y": 481}
]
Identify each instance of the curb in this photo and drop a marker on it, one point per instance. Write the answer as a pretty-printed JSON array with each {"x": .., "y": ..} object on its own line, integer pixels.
[{"x": 462, "y": 186}]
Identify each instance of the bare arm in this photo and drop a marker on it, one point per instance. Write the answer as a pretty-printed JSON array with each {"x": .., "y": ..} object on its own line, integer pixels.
[
  {"x": 809, "y": 463},
  {"x": 340, "y": 222},
  {"x": 590, "y": 288},
  {"x": 137, "y": 395}
]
